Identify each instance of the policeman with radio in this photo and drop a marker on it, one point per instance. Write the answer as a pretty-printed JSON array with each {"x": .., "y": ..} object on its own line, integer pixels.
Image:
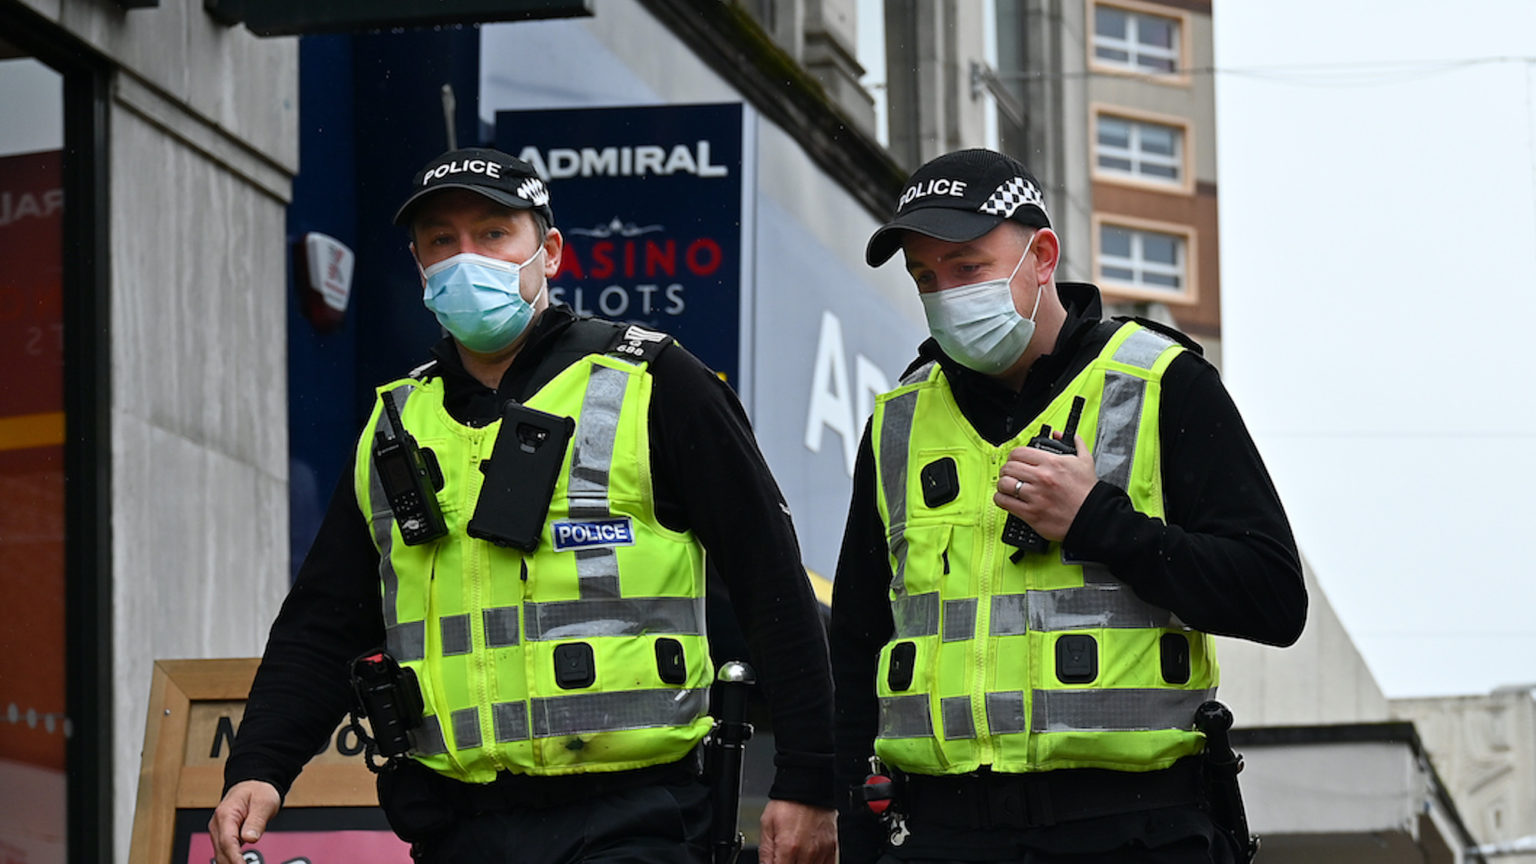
[
  {"x": 1052, "y": 514},
  {"x": 514, "y": 578}
]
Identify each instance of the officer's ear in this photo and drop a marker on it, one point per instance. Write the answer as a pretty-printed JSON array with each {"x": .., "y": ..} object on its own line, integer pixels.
[
  {"x": 554, "y": 246},
  {"x": 1047, "y": 251}
]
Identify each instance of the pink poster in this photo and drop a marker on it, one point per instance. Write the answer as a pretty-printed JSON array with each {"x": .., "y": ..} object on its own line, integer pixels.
[{"x": 313, "y": 847}]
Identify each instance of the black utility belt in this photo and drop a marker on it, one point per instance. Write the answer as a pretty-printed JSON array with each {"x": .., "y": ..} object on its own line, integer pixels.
[
  {"x": 992, "y": 800},
  {"x": 512, "y": 791}
]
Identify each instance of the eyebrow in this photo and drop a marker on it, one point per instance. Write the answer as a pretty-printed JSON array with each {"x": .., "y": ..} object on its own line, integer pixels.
[{"x": 967, "y": 249}]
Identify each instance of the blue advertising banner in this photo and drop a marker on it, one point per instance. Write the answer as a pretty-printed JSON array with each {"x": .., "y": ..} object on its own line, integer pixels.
[{"x": 649, "y": 201}]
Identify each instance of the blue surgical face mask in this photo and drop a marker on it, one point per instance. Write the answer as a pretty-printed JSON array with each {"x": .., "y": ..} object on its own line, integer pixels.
[
  {"x": 479, "y": 300},
  {"x": 978, "y": 324}
]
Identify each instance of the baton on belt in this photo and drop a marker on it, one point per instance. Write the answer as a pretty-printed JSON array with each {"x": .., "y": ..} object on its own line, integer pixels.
[
  {"x": 727, "y": 746},
  {"x": 1214, "y": 720}
]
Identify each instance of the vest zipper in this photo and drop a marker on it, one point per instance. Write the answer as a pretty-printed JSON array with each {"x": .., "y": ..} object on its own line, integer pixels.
[
  {"x": 991, "y": 528},
  {"x": 478, "y": 565}
]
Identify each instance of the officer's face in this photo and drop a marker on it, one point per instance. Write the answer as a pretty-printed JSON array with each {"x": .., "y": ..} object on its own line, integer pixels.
[
  {"x": 457, "y": 220},
  {"x": 939, "y": 265}
]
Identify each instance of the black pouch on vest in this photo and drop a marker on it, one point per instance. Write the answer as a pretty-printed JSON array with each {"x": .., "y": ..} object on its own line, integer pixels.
[
  {"x": 417, "y": 801},
  {"x": 520, "y": 477}
]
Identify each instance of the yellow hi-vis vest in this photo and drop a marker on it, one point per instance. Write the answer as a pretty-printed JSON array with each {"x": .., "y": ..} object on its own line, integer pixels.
[
  {"x": 608, "y": 586},
  {"x": 1045, "y": 663}
]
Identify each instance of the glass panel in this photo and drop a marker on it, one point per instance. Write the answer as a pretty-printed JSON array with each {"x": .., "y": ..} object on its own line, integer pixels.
[
  {"x": 1161, "y": 280},
  {"x": 1115, "y": 54},
  {"x": 1124, "y": 274},
  {"x": 1108, "y": 21},
  {"x": 32, "y": 722},
  {"x": 1156, "y": 64},
  {"x": 1164, "y": 172},
  {"x": 1116, "y": 163},
  {"x": 1157, "y": 140},
  {"x": 1159, "y": 248},
  {"x": 1114, "y": 133},
  {"x": 1115, "y": 241},
  {"x": 1155, "y": 32}
]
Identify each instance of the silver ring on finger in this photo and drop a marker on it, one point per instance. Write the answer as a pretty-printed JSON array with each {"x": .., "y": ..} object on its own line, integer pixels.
[{"x": 1018, "y": 486}]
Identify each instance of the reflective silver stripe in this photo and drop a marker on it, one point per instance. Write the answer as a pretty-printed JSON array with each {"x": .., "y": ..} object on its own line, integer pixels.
[
  {"x": 921, "y": 373},
  {"x": 956, "y": 713},
  {"x": 455, "y": 633},
  {"x": 407, "y": 641},
  {"x": 510, "y": 720},
  {"x": 1119, "y": 422},
  {"x": 597, "y": 569},
  {"x": 500, "y": 626},
  {"x": 1114, "y": 606},
  {"x": 383, "y": 518},
  {"x": 466, "y": 728},
  {"x": 428, "y": 737},
  {"x": 959, "y": 619},
  {"x": 584, "y": 619},
  {"x": 1005, "y": 712},
  {"x": 609, "y": 712},
  {"x": 905, "y": 717},
  {"x": 1010, "y": 615},
  {"x": 1142, "y": 348},
  {"x": 895, "y": 444},
  {"x": 1107, "y": 604},
  {"x": 916, "y": 615},
  {"x": 1125, "y": 710},
  {"x": 593, "y": 442}
]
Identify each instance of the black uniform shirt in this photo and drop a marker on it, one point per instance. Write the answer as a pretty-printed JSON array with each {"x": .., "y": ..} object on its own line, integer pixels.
[
  {"x": 1224, "y": 562},
  {"x": 708, "y": 477}
]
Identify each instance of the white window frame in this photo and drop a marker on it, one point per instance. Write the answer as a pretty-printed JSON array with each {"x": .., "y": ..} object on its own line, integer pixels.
[
  {"x": 1188, "y": 291},
  {"x": 1134, "y": 49},
  {"x": 1182, "y": 160}
]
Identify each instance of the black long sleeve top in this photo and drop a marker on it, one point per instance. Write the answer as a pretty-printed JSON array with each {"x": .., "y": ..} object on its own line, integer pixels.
[
  {"x": 1224, "y": 562},
  {"x": 708, "y": 476}
]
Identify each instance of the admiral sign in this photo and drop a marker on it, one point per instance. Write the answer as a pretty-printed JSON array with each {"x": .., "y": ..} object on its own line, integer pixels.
[{"x": 649, "y": 200}]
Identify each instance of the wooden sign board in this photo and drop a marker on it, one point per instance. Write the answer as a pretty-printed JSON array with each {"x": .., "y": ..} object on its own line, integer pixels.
[{"x": 195, "y": 706}]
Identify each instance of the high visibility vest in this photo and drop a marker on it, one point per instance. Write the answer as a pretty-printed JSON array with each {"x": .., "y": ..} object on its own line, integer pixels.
[
  {"x": 609, "y": 591},
  {"x": 1044, "y": 663}
]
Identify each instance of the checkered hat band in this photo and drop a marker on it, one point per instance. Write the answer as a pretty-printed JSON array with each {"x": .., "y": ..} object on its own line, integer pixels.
[{"x": 1011, "y": 195}]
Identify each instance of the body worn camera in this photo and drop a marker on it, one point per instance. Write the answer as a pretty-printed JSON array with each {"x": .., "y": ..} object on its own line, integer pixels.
[
  {"x": 390, "y": 697},
  {"x": 1016, "y": 532},
  {"x": 410, "y": 477},
  {"x": 520, "y": 477}
]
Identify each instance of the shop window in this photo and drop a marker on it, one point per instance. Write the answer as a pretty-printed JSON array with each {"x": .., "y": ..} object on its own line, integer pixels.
[{"x": 34, "y": 725}]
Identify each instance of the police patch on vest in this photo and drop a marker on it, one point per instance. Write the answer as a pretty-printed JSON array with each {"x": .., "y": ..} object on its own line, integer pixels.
[{"x": 589, "y": 534}]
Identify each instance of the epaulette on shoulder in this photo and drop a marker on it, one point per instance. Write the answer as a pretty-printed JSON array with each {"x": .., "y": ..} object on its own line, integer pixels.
[
  {"x": 424, "y": 371},
  {"x": 640, "y": 344},
  {"x": 1170, "y": 332}
]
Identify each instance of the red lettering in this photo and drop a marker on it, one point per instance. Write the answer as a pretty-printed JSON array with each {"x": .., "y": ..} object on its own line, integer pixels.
[
  {"x": 703, "y": 256},
  {"x": 629, "y": 259},
  {"x": 570, "y": 263},
  {"x": 661, "y": 258},
  {"x": 602, "y": 257}
]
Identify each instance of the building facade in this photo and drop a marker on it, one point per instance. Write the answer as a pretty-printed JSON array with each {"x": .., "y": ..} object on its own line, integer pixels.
[{"x": 184, "y": 403}]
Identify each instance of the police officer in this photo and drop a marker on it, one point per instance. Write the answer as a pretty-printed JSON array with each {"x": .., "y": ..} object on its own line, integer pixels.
[
  {"x": 564, "y": 686},
  {"x": 1035, "y": 702}
]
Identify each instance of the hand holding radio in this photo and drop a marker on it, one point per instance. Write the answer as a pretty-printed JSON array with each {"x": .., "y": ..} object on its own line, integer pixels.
[{"x": 1044, "y": 484}]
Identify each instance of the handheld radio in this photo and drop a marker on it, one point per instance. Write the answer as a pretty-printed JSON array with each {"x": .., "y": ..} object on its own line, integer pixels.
[
  {"x": 1016, "y": 532},
  {"x": 410, "y": 477}
]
